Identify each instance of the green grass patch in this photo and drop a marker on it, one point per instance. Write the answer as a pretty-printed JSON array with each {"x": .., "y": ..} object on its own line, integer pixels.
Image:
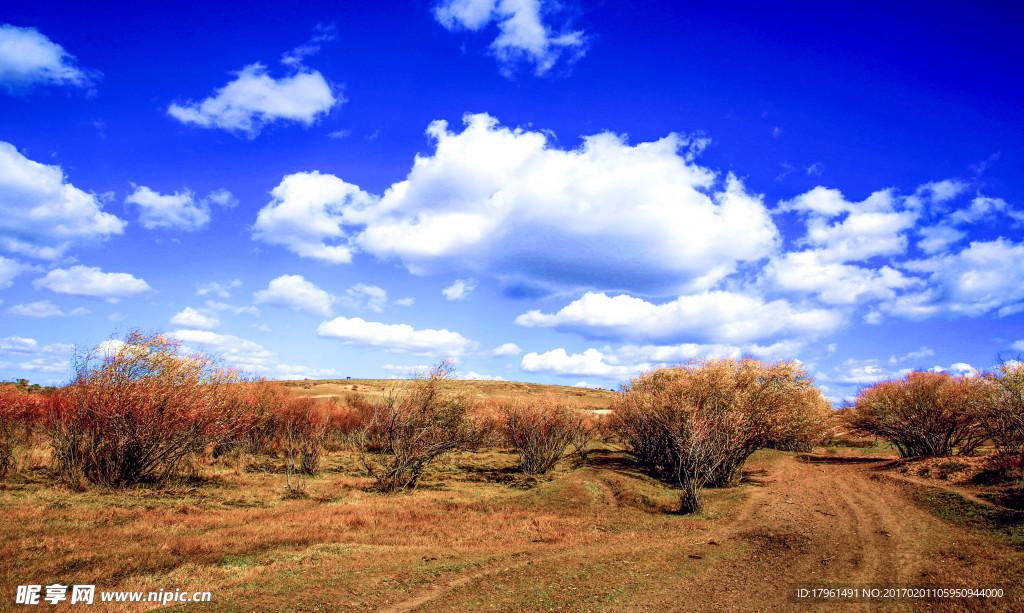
[{"x": 1006, "y": 525}]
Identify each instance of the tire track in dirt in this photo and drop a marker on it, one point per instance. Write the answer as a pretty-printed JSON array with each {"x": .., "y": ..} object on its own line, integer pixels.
[{"x": 808, "y": 521}]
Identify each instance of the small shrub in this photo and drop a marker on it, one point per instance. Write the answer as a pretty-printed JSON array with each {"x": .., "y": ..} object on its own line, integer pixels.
[
  {"x": 302, "y": 426},
  {"x": 412, "y": 427},
  {"x": 541, "y": 428}
]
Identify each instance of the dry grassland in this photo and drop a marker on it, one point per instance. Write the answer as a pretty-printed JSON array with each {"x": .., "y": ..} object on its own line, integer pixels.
[{"x": 478, "y": 536}]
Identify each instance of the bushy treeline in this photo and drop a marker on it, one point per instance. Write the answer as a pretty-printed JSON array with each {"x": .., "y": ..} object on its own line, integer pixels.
[
  {"x": 695, "y": 425},
  {"x": 143, "y": 410},
  {"x": 938, "y": 414}
]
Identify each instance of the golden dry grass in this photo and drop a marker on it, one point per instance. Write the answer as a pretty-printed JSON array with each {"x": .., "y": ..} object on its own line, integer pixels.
[
  {"x": 478, "y": 390},
  {"x": 239, "y": 535}
]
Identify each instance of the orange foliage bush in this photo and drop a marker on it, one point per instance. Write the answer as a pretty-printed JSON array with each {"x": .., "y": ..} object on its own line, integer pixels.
[
  {"x": 696, "y": 424},
  {"x": 925, "y": 414}
]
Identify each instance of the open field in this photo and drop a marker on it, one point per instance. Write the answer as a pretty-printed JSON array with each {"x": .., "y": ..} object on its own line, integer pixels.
[
  {"x": 477, "y": 535},
  {"x": 478, "y": 390}
]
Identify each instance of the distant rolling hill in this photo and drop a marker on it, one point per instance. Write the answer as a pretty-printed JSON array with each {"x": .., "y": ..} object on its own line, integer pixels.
[{"x": 594, "y": 398}]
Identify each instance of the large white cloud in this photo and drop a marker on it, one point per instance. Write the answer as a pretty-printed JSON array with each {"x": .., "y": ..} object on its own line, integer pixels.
[
  {"x": 28, "y": 58},
  {"x": 255, "y": 99},
  {"x": 41, "y": 214},
  {"x": 297, "y": 294},
  {"x": 523, "y": 34},
  {"x": 812, "y": 272},
  {"x": 395, "y": 337},
  {"x": 986, "y": 276},
  {"x": 590, "y": 363},
  {"x": 92, "y": 282},
  {"x": 506, "y": 202},
  {"x": 715, "y": 316}
]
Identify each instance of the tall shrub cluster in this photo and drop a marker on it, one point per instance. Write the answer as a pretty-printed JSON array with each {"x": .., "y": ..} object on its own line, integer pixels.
[
  {"x": 695, "y": 425},
  {"x": 930, "y": 414}
]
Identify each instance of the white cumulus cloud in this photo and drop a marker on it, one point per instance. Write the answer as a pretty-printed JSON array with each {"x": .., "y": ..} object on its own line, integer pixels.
[
  {"x": 459, "y": 290},
  {"x": 845, "y": 231},
  {"x": 523, "y": 34},
  {"x": 395, "y": 337},
  {"x": 92, "y": 282},
  {"x": 362, "y": 296},
  {"x": 506, "y": 349},
  {"x": 191, "y": 318},
  {"x": 592, "y": 362},
  {"x": 715, "y": 316},
  {"x": 41, "y": 214},
  {"x": 177, "y": 211},
  {"x": 42, "y": 309},
  {"x": 240, "y": 353},
  {"x": 506, "y": 202},
  {"x": 297, "y": 294},
  {"x": 307, "y": 216},
  {"x": 254, "y": 99},
  {"x": 813, "y": 272},
  {"x": 972, "y": 282},
  {"x": 28, "y": 58}
]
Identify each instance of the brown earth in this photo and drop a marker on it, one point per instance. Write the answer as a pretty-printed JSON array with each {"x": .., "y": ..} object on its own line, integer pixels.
[{"x": 805, "y": 521}]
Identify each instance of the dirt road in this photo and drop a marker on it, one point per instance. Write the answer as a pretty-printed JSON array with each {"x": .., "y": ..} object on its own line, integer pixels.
[{"x": 804, "y": 520}]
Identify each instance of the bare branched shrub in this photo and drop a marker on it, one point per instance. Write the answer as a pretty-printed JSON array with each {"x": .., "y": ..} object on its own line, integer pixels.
[
  {"x": 925, "y": 414},
  {"x": 138, "y": 411},
  {"x": 695, "y": 425},
  {"x": 412, "y": 427},
  {"x": 541, "y": 428}
]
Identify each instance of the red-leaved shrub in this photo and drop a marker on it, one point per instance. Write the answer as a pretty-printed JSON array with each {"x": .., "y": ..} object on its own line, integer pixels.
[{"x": 136, "y": 410}]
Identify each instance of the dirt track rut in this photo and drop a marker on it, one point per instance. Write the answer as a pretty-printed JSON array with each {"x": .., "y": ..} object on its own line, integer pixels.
[{"x": 806, "y": 520}]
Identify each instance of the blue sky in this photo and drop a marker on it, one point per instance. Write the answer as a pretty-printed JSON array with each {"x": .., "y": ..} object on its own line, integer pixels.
[{"x": 567, "y": 192}]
